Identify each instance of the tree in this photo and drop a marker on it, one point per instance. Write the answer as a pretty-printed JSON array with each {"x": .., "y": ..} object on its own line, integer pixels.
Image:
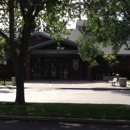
[
  {"x": 110, "y": 60},
  {"x": 25, "y": 16},
  {"x": 109, "y": 21},
  {"x": 88, "y": 49}
]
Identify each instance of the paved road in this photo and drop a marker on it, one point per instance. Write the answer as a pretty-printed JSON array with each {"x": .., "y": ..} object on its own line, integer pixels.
[
  {"x": 37, "y": 125},
  {"x": 70, "y": 92}
]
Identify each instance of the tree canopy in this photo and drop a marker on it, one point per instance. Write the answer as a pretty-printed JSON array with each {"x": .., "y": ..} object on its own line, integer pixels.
[{"x": 109, "y": 23}]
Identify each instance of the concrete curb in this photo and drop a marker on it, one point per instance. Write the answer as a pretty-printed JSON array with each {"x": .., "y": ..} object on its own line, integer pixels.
[{"x": 63, "y": 119}]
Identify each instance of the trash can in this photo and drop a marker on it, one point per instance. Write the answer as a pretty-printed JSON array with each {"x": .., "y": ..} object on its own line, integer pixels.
[
  {"x": 13, "y": 81},
  {"x": 122, "y": 81}
]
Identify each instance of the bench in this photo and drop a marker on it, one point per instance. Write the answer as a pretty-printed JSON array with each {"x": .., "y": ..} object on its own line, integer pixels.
[{"x": 113, "y": 81}]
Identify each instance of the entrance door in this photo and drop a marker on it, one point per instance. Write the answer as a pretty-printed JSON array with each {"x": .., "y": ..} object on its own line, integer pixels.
[
  {"x": 63, "y": 69},
  {"x": 55, "y": 68},
  {"x": 49, "y": 68}
]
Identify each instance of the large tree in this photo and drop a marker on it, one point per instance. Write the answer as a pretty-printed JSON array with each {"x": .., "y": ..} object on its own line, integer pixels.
[
  {"x": 25, "y": 16},
  {"x": 107, "y": 25},
  {"x": 109, "y": 21}
]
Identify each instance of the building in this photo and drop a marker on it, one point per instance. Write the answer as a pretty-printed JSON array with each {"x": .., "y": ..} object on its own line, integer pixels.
[{"x": 44, "y": 61}]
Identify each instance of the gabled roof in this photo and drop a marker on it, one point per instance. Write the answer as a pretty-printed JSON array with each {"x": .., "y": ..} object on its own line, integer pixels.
[
  {"x": 49, "y": 42},
  {"x": 41, "y": 34},
  {"x": 122, "y": 51},
  {"x": 74, "y": 34}
]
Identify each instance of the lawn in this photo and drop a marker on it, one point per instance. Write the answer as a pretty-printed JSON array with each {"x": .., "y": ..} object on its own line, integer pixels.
[
  {"x": 97, "y": 111},
  {"x": 6, "y": 82}
]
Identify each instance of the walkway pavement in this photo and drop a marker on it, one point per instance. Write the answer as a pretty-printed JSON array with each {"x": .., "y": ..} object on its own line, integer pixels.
[{"x": 98, "y": 85}]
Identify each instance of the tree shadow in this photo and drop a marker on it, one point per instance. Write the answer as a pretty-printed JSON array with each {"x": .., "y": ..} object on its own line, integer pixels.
[
  {"x": 124, "y": 92},
  {"x": 60, "y": 81},
  {"x": 75, "y": 88},
  {"x": 4, "y": 91}
]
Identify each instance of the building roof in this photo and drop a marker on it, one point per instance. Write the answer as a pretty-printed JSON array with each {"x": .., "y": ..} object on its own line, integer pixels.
[
  {"x": 49, "y": 42},
  {"x": 122, "y": 51},
  {"x": 74, "y": 34},
  {"x": 106, "y": 50}
]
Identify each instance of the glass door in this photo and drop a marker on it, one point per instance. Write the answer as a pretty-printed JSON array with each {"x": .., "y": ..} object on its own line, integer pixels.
[
  {"x": 36, "y": 68},
  {"x": 55, "y": 68},
  {"x": 46, "y": 70},
  {"x": 49, "y": 68},
  {"x": 63, "y": 69}
]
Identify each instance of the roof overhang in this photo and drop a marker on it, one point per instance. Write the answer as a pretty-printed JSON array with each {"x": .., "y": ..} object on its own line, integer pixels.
[{"x": 49, "y": 42}]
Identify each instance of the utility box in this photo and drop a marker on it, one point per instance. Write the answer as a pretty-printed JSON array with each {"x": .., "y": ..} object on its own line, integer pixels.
[{"x": 122, "y": 81}]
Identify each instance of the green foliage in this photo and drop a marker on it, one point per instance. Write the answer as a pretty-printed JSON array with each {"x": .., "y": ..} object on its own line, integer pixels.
[
  {"x": 59, "y": 47},
  {"x": 2, "y": 45},
  {"x": 57, "y": 16},
  {"x": 88, "y": 50},
  {"x": 111, "y": 60},
  {"x": 7, "y": 82},
  {"x": 109, "y": 21},
  {"x": 41, "y": 15}
]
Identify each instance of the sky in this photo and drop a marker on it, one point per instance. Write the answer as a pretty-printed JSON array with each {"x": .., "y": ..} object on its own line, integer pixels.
[{"x": 72, "y": 24}]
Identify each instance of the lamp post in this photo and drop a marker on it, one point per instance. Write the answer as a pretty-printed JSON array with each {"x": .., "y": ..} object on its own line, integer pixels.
[{"x": 5, "y": 63}]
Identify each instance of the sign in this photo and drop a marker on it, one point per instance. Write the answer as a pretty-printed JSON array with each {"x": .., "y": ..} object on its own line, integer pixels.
[
  {"x": 54, "y": 52},
  {"x": 75, "y": 64}
]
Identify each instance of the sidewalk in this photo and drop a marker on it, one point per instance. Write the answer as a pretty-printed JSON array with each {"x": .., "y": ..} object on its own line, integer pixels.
[{"x": 78, "y": 84}]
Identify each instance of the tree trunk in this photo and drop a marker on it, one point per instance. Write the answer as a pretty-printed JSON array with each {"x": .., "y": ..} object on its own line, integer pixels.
[
  {"x": 20, "y": 96},
  {"x": 19, "y": 52},
  {"x": 18, "y": 63}
]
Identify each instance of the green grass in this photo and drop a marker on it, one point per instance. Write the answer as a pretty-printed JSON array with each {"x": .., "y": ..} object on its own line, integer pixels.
[
  {"x": 6, "y": 82},
  {"x": 98, "y": 111}
]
